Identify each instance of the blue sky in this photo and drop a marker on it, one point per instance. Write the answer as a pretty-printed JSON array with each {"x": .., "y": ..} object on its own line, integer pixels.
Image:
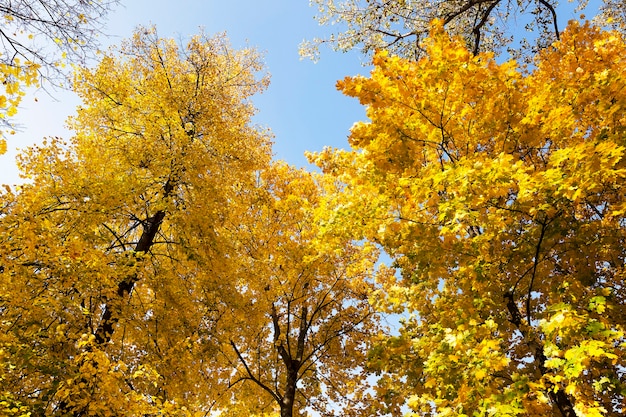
[{"x": 301, "y": 106}]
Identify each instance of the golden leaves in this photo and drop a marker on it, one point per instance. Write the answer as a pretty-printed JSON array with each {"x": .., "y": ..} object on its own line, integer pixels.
[
  {"x": 122, "y": 231},
  {"x": 166, "y": 265},
  {"x": 14, "y": 78},
  {"x": 303, "y": 297},
  {"x": 498, "y": 193}
]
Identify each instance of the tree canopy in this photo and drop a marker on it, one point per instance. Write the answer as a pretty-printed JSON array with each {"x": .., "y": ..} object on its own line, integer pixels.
[
  {"x": 499, "y": 195},
  {"x": 401, "y": 26},
  {"x": 159, "y": 263},
  {"x": 300, "y": 335},
  {"x": 31, "y": 28},
  {"x": 113, "y": 260}
]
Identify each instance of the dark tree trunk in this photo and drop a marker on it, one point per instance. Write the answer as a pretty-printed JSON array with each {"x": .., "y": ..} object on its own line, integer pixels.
[
  {"x": 289, "y": 397},
  {"x": 112, "y": 309},
  {"x": 110, "y": 317}
]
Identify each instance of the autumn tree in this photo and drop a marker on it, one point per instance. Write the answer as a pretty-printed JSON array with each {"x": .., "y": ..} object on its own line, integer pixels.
[
  {"x": 499, "y": 195},
  {"x": 400, "y": 26},
  {"x": 299, "y": 337},
  {"x": 114, "y": 264}
]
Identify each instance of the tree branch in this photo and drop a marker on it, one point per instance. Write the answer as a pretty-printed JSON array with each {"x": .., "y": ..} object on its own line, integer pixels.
[
  {"x": 554, "y": 21},
  {"x": 478, "y": 27},
  {"x": 110, "y": 316},
  {"x": 534, "y": 270},
  {"x": 254, "y": 379}
]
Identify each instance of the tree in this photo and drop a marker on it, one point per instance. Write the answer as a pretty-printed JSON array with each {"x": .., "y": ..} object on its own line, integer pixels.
[
  {"x": 115, "y": 264},
  {"x": 401, "y": 26},
  {"x": 299, "y": 337},
  {"x": 499, "y": 195},
  {"x": 35, "y": 39}
]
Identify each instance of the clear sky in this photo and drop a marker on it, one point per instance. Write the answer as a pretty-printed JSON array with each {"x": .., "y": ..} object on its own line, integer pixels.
[{"x": 301, "y": 106}]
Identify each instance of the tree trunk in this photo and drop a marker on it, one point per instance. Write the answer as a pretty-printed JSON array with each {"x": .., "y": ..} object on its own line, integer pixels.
[
  {"x": 287, "y": 402},
  {"x": 112, "y": 309}
]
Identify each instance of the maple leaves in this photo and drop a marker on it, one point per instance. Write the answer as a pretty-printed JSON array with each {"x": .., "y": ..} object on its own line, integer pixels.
[
  {"x": 159, "y": 262},
  {"x": 14, "y": 77},
  {"x": 496, "y": 192},
  {"x": 121, "y": 225}
]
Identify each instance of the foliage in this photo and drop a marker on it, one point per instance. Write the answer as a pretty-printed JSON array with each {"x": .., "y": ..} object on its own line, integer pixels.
[
  {"x": 401, "y": 26},
  {"x": 499, "y": 195},
  {"x": 14, "y": 78},
  {"x": 159, "y": 264},
  {"x": 36, "y": 37},
  {"x": 114, "y": 265},
  {"x": 300, "y": 335}
]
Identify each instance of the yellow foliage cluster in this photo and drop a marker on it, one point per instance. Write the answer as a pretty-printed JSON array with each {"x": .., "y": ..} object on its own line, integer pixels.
[
  {"x": 158, "y": 263},
  {"x": 498, "y": 192},
  {"x": 14, "y": 78}
]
